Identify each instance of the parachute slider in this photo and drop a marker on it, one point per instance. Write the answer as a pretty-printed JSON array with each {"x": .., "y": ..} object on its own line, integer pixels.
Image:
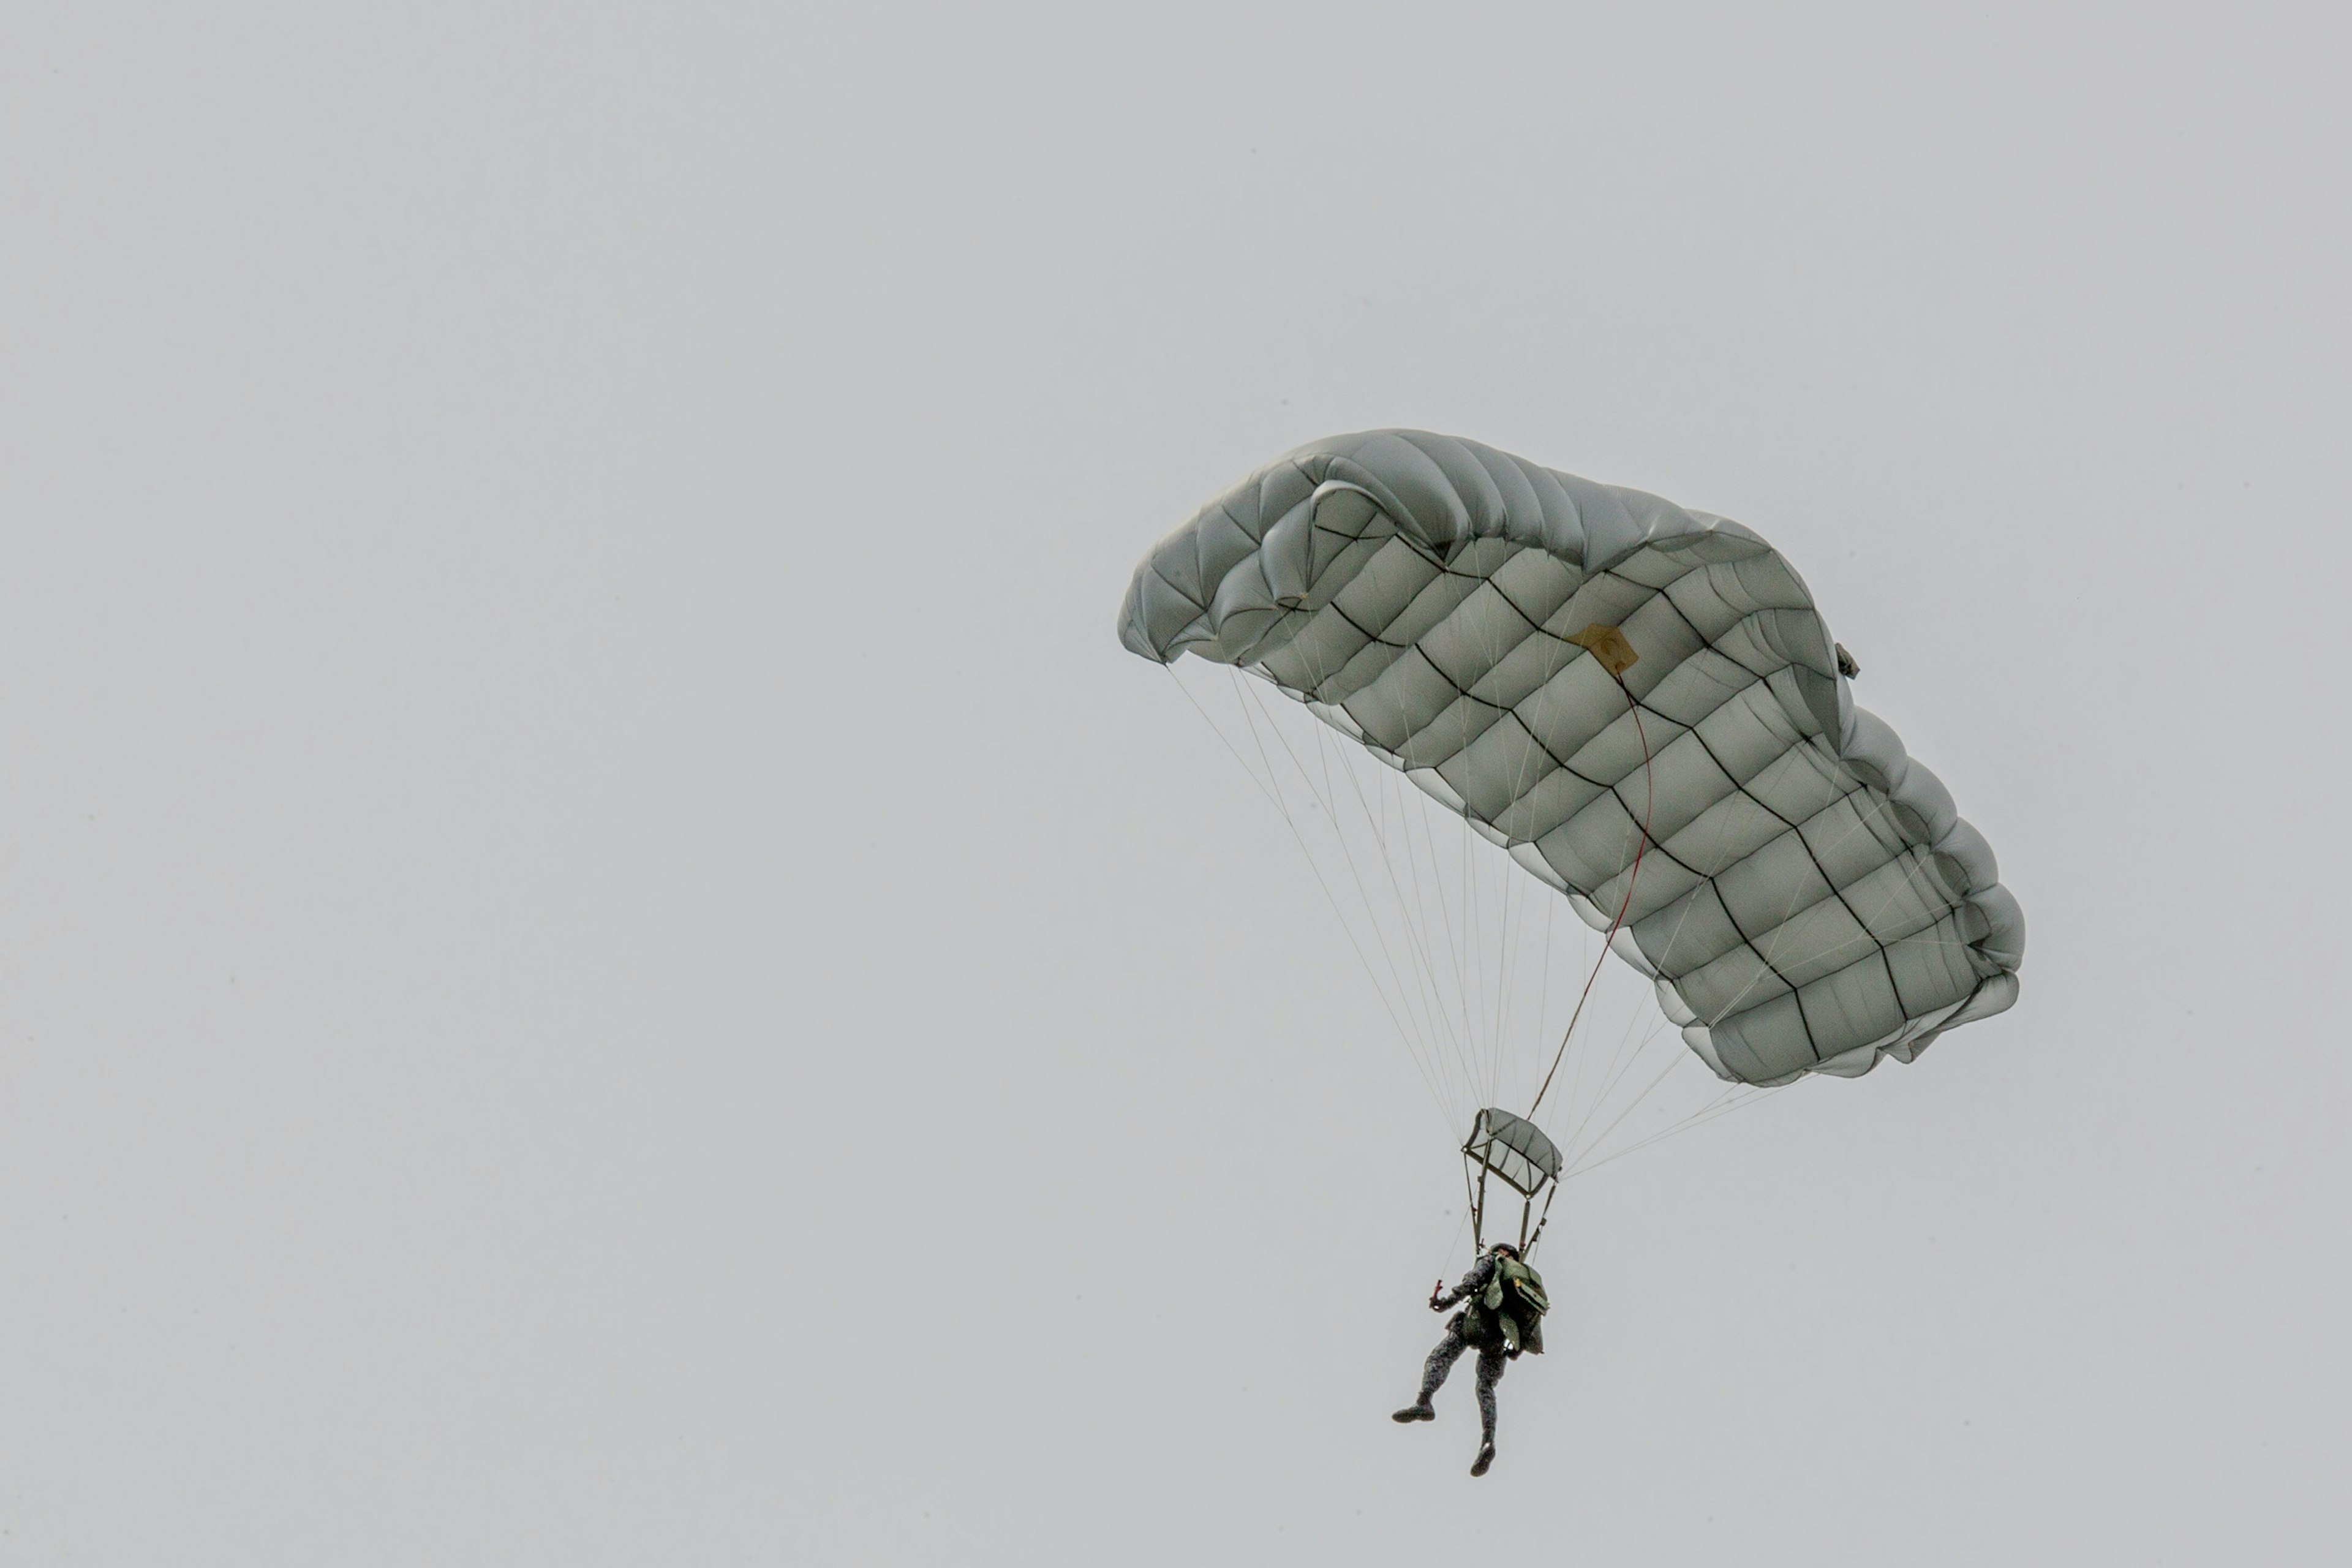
[
  {"x": 1608, "y": 645},
  {"x": 1514, "y": 1149}
]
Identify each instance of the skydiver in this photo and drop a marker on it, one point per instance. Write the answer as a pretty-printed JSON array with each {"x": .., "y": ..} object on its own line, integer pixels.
[{"x": 1504, "y": 1315}]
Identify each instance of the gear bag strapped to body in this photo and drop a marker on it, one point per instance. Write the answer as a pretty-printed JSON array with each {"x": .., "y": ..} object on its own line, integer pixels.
[{"x": 1512, "y": 1305}]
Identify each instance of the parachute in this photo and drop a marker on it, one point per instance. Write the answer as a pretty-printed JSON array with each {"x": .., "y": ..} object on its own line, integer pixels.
[{"x": 1638, "y": 704}]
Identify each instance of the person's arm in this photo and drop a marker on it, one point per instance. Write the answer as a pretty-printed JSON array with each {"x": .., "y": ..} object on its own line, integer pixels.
[{"x": 1471, "y": 1283}]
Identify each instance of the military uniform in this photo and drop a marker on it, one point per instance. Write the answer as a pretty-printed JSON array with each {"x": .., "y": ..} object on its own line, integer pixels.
[{"x": 1502, "y": 1316}]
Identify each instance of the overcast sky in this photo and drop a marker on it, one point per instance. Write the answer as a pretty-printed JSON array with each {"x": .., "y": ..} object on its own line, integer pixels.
[{"x": 602, "y": 959}]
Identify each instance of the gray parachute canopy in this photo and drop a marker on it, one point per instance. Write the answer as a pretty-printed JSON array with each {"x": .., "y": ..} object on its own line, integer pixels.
[{"x": 1809, "y": 900}]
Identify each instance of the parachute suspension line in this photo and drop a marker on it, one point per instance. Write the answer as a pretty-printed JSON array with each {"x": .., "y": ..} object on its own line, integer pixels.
[
  {"x": 1416, "y": 997},
  {"x": 1479, "y": 1211},
  {"x": 1430, "y": 1015},
  {"x": 1282, "y": 804},
  {"x": 1543, "y": 1002},
  {"x": 1621, "y": 1062},
  {"x": 1617, "y": 1120},
  {"x": 1490, "y": 997},
  {"x": 1476, "y": 939},
  {"x": 1483, "y": 942},
  {"x": 1739, "y": 1098},
  {"x": 1515, "y": 892},
  {"x": 1416, "y": 936},
  {"x": 1436, "y": 896},
  {"x": 1508, "y": 963},
  {"x": 1471, "y": 1204},
  {"x": 1461, "y": 1026},
  {"x": 1506, "y": 969},
  {"x": 1633, "y": 874},
  {"x": 1428, "y": 895},
  {"x": 1409, "y": 908},
  {"x": 1270, "y": 787},
  {"x": 1465, "y": 967},
  {"x": 1454, "y": 902},
  {"x": 1413, "y": 907},
  {"x": 1529, "y": 1243},
  {"x": 1218, "y": 730},
  {"x": 1245, "y": 697},
  {"x": 1528, "y": 887},
  {"x": 1586, "y": 1059}
]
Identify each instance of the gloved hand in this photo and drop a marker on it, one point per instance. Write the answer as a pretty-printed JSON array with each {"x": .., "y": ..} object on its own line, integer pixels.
[{"x": 1434, "y": 1292}]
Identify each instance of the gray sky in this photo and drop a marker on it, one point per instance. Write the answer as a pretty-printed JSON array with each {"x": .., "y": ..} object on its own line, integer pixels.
[{"x": 604, "y": 961}]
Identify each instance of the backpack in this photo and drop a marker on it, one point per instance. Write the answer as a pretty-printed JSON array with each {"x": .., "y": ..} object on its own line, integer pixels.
[{"x": 1515, "y": 1299}]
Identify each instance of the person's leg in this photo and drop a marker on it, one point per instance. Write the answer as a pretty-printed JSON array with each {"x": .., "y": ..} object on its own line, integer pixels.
[
  {"x": 1491, "y": 1363},
  {"x": 1432, "y": 1377}
]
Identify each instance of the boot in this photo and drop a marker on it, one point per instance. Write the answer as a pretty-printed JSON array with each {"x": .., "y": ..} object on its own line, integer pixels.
[
  {"x": 1486, "y": 1458},
  {"x": 1421, "y": 1412}
]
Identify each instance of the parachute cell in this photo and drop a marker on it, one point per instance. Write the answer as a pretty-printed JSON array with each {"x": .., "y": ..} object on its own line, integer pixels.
[{"x": 1802, "y": 893}]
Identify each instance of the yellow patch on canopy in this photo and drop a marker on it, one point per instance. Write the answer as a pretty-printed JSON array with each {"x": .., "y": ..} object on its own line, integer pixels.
[{"x": 1608, "y": 645}]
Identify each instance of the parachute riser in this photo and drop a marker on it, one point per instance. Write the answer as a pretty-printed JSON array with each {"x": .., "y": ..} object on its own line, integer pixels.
[
  {"x": 1477, "y": 1202},
  {"x": 1527, "y": 1252},
  {"x": 1532, "y": 1219}
]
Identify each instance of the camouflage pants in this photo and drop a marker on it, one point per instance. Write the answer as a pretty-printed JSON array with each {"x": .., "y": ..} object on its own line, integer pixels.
[{"x": 1491, "y": 1362}]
